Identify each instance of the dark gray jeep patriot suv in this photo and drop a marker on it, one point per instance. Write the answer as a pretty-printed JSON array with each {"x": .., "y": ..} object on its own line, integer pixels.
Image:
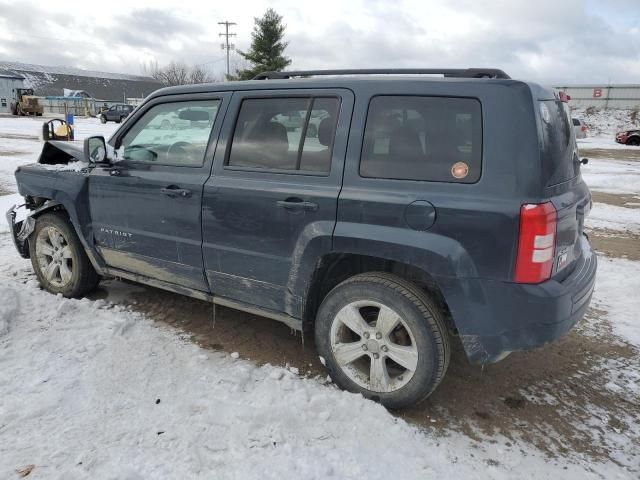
[{"x": 419, "y": 210}]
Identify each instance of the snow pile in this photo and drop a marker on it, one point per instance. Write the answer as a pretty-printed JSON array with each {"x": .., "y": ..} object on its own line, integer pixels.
[
  {"x": 605, "y": 123},
  {"x": 76, "y": 166}
]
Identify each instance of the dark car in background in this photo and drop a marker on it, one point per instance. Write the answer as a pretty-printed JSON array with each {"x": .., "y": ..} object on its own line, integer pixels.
[
  {"x": 424, "y": 211},
  {"x": 116, "y": 113},
  {"x": 629, "y": 137}
]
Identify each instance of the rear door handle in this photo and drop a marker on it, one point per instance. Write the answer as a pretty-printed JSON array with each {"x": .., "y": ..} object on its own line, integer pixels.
[
  {"x": 174, "y": 191},
  {"x": 297, "y": 204}
]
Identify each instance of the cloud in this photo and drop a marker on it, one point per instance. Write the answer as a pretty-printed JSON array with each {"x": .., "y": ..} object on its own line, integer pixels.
[{"x": 547, "y": 40}]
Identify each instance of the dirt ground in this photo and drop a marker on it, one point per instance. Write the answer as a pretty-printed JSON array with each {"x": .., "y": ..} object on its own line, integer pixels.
[{"x": 631, "y": 153}]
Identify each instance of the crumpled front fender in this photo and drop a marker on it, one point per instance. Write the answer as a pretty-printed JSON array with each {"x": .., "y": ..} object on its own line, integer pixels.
[{"x": 22, "y": 229}]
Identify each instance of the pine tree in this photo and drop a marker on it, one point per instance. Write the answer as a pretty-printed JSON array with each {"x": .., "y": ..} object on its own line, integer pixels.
[{"x": 267, "y": 46}]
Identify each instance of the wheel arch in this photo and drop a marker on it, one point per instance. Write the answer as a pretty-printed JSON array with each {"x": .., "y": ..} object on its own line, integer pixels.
[
  {"x": 68, "y": 194},
  {"x": 334, "y": 268}
]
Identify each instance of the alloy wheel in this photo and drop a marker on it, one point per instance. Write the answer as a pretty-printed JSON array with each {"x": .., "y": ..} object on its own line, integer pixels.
[
  {"x": 374, "y": 346},
  {"x": 54, "y": 257}
]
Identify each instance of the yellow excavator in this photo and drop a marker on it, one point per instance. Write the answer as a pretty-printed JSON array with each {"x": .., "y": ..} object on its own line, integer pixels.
[{"x": 25, "y": 103}]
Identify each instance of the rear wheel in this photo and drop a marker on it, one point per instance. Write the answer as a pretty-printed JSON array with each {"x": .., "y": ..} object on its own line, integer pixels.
[
  {"x": 383, "y": 337},
  {"x": 59, "y": 259},
  {"x": 635, "y": 142}
]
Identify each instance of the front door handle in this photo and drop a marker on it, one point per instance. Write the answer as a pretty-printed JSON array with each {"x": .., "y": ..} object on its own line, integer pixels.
[
  {"x": 174, "y": 191},
  {"x": 297, "y": 204}
]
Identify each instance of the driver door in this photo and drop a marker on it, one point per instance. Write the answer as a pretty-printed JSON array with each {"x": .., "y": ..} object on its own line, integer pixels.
[{"x": 146, "y": 204}]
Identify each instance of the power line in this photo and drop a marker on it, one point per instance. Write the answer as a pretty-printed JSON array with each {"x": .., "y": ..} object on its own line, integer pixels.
[{"x": 226, "y": 45}]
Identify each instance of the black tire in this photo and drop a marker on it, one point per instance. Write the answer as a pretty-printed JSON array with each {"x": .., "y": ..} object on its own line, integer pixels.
[
  {"x": 83, "y": 277},
  {"x": 46, "y": 134},
  {"x": 103, "y": 119},
  {"x": 634, "y": 142},
  {"x": 420, "y": 317}
]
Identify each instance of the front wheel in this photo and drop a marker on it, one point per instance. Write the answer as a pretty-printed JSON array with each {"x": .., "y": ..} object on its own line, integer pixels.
[
  {"x": 59, "y": 259},
  {"x": 383, "y": 337}
]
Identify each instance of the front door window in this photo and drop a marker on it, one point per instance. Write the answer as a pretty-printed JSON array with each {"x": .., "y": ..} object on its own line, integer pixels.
[{"x": 171, "y": 134}]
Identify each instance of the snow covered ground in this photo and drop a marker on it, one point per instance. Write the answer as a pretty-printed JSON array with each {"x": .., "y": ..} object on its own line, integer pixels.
[{"x": 101, "y": 389}]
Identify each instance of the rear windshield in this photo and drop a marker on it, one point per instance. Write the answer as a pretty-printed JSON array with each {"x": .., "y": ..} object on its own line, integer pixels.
[{"x": 557, "y": 143}]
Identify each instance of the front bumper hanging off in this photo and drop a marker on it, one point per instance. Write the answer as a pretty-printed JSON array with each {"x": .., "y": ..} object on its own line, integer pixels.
[{"x": 20, "y": 230}]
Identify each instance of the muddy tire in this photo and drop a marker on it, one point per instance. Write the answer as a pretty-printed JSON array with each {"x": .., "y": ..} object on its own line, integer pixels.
[
  {"x": 383, "y": 337},
  {"x": 59, "y": 259}
]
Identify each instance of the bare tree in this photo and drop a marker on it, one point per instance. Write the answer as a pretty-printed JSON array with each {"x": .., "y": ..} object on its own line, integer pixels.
[
  {"x": 199, "y": 75},
  {"x": 177, "y": 73}
]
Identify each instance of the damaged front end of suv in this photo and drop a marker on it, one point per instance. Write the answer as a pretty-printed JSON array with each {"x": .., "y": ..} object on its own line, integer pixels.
[{"x": 46, "y": 185}]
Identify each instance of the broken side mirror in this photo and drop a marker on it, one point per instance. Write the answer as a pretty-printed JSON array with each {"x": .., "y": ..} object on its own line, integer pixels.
[{"x": 95, "y": 149}]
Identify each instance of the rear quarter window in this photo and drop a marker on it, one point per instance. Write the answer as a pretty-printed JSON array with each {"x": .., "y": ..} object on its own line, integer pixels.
[
  {"x": 435, "y": 139},
  {"x": 557, "y": 143}
]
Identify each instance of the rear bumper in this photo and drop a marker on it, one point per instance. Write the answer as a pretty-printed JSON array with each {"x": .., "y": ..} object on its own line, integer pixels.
[{"x": 517, "y": 317}]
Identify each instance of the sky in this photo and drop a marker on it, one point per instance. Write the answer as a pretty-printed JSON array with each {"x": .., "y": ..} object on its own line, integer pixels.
[{"x": 549, "y": 41}]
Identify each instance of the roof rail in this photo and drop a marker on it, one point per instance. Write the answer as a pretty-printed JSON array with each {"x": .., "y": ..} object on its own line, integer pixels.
[{"x": 447, "y": 72}]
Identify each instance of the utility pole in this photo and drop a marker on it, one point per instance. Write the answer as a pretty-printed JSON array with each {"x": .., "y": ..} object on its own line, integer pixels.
[{"x": 226, "y": 45}]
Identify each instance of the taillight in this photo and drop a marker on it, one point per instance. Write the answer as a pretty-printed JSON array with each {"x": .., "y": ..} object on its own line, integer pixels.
[
  {"x": 536, "y": 242},
  {"x": 583, "y": 128},
  {"x": 564, "y": 97}
]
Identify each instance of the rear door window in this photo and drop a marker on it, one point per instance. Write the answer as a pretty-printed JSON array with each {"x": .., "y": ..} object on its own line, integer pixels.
[
  {"x": 286, "y": 134},
  {"x": 558, "y": 163},
  {"x": 423, "y": 138}
]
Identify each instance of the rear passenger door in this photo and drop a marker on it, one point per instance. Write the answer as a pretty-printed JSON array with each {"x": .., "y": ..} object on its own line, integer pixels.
[{"x": 270, "y": 206}]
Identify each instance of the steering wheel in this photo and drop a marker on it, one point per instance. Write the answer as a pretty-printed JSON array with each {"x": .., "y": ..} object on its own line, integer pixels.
[{"x": 181, "y": 150}]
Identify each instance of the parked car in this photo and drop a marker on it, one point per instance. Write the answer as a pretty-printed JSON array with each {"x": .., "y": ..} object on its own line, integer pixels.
[
  {"x": 116, "y": 113},
  {"x": 629, "y": 137},
  {"x": 579, "y": 128},
  {"x": 411, "y": 222}
]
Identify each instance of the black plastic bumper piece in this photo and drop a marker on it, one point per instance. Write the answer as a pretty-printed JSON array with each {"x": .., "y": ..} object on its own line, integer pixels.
[{"x": 20, "y": 231}]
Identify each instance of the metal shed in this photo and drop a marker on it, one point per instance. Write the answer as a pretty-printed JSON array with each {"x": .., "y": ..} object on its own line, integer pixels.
[{"x": 8, "y": 83}]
